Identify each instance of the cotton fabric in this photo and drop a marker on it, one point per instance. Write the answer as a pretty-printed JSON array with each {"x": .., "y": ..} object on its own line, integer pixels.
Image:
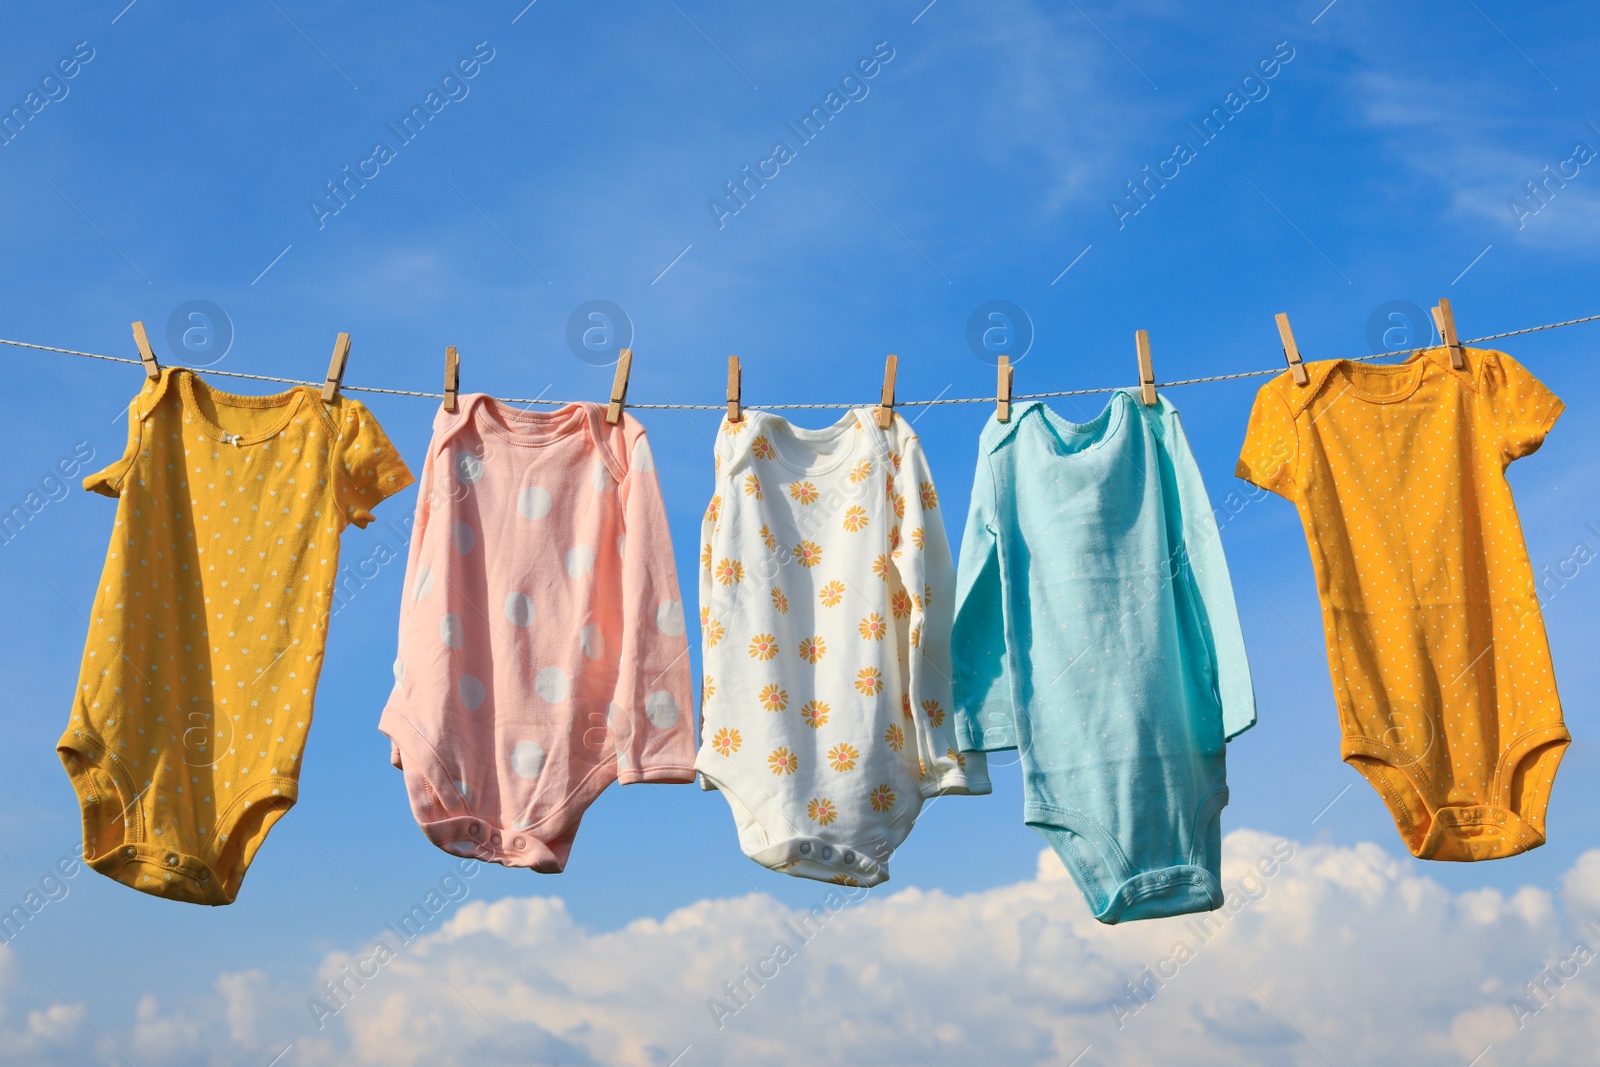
[
  {"x": 1096, "y": 633},
  {"x": 1436, "y": 645},
  {"x": 542, "y": 653},
  {"x": 207, "y": 632},
  {"x": 826, "y": 587}
]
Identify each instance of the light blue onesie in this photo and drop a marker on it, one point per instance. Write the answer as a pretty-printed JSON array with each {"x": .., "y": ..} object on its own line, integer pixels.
[{"x": 1096, "y": 633}]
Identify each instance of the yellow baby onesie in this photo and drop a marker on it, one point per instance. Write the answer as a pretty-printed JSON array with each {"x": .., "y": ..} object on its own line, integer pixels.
[
  {"x": 1441, "y": 668},
  {"x": 208, "y": 627}
]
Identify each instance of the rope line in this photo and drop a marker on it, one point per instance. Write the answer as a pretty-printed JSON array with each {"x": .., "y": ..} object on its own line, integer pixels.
[{"x": 936, "y": 401}]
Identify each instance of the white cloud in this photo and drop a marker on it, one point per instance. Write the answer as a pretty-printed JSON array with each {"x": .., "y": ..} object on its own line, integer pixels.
[
  {"x": 241, "y": 995},
  {"x": 1581, "y": 885},
  {"x": 57, "y": 1024},
  {"x": 1348, "y": 953},
  {"x": 161, "y": 1038}
]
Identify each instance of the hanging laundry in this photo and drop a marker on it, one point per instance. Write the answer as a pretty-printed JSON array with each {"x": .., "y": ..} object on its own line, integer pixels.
[
  {"x": 1436, "y": 644},
  {"x": 207, "y": 632},
  {"x": 1096, "y": 634},
  {"x": 826, "y": 589},
  {"x": 542, "y": 653}
]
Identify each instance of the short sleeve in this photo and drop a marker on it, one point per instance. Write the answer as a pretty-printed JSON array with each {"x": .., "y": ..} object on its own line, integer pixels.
[
  {"x": 1270, "y": 443},
  {"x": 367, "y": 469},
  {"x": 1521, "y": 405},
  {"x": 109, "y": 481}
]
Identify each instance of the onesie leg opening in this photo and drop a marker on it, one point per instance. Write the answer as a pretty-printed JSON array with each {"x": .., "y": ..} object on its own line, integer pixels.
[
  {"x": 1528, "y": 771},
  {"x": 1400, "y": 794},
  {"x": 448, "y": 802},
  {"x": 1114, "y": 891},
  {"x": 242, "y": 828},
  {"x": 1090, "y": 854},
  {"x": 120, "y": 843},
  {"x": 1509, "y": 821},
  {"x": 108, "y": 807}
]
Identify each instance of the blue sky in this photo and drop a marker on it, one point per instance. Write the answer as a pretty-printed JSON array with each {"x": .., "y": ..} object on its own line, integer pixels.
[{"x": 1376, "y": 169}]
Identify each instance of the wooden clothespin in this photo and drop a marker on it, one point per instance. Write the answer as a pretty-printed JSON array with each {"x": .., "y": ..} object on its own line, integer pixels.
[
  {"x": 452, "y": 378},
  {"x": 1291, "y": 351},
  {"x": 1147, "y": 371},
  {"x": 1445, "y": 320},
  {"x": 1002, "y": 392},
  {"x": 619, "y": 386},
  {"x": 147, "y": 355},
  {"x": 341, "y": 354},
  {"x": 734, "y": 411},
  {"x": 886, "y": 404}
]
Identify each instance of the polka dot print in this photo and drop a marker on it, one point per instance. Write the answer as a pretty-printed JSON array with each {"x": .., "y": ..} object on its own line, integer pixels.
[
  {"x": 1437, "y": 648},
  {"x": 527, "y": 760},
  {"x": 470, "y": 691},
  {"x": 661, "y": 709},
  {"x": 669, "y": 618},
  {"x": 423, "y": 585},
  {"x": 469, "y": 468},
  {"x": 553, "y": 684},
  {"x": 543, "y": 665},
  {"x": 519, "y": 608},
  {"x": 579, "y": 561},
  {"x": 207, "y": 630},
  {"x": 533, "y": 503}
]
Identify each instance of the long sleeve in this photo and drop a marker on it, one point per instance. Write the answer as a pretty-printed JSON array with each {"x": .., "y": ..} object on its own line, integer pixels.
[
  {"x": 652, "y": 722},
  {"x": 926, "y": 575},
  {"x": 712, "y": 630},
  {"x": 984, "y": 712},
  {"x": 1208, "y": 574},
  {"x": 417, "y": 581},
  {"x": 427, "y": 490}
]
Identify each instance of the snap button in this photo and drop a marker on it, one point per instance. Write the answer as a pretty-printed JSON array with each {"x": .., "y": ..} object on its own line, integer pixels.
[
  {"x": 474, "y": 829},
  {"x": 494, "y": 838},
  {"x": 827, "y": 852},
  {"x": 517, "y": 842},
  {"x": 848, "y": 858},
  {"x": 129, "y": 851},
  {"x": 203, "y": 876},
  {"x": 805, "y": 848},
  {"x": 172, "y": 860}
]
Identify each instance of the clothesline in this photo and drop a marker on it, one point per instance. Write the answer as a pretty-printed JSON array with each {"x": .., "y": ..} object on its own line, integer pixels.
[{"x": 527, "y": 401}]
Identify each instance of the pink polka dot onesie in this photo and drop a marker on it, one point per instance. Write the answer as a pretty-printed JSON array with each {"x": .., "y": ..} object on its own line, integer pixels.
[{"x": 542, "y": 653}]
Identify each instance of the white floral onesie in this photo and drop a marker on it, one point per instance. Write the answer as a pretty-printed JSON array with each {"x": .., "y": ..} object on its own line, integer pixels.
[{"x": 826, "y": 591}]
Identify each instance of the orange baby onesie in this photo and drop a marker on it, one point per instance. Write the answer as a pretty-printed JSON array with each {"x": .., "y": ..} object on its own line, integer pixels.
[
  {"x": 1441, "y": 669},
  {"x": 208, "y": 627}
]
